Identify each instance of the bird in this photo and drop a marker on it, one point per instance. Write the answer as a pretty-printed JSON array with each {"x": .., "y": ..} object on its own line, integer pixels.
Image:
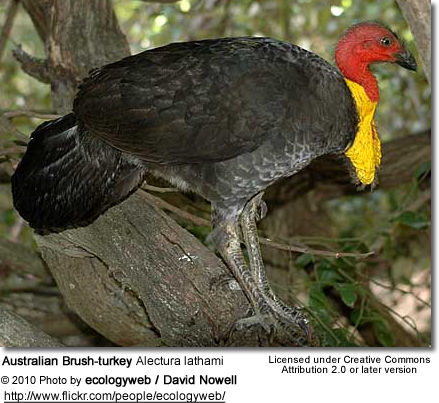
[{"x": 222, "y": 118}]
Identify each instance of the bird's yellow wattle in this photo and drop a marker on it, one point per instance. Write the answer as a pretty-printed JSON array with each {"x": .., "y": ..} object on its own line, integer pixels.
[{"x": 365, "y": 151}]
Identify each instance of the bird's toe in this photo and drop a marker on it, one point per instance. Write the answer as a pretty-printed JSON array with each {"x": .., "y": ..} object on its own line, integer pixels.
[{"x": 274, "y": 329}]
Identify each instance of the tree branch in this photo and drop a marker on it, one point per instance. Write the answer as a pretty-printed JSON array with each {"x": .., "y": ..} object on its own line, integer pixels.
[
  {"x": 8, "y": 128},
  {"x": 16, "y": 332},
  {"x": 20, "y": 267},
  {"x": 156, "y": 201},
  {"x": 35, "y": 67},
  {"x": 160, "y": 292},
  {"x": 418, "y": 16},
  {"x": 311, "y": 251},
  {"x": 160, "y": 1},
  {"x": 7, "y": 26},
  {"x": 46, "y": 115}
]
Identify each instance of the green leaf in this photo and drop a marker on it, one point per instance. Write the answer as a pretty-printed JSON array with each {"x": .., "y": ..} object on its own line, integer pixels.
[
  {"x": 346, "y": 264},
  {"x": 361, "y": 247},
  {"x": 320, "y": 304},
  {"x": 357, "y": 316},
  {"x": 328, "y": 277},
  {"x": 338, "y": 337},
  {"x": 383, "y": 333},
  {"x": 413, "y": 220},
  {"x": 304, "y": 260},
  {"x": 348, "y": 294},
  {"x": 422, "y": 169},
  {"x": 327, "y": 273},
  {"x": 343, "y": 340},
  {"x": 325, "y": 264}
]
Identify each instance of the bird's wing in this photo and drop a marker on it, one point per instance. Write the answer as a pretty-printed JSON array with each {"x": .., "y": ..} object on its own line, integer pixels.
[{"x": 192, "y": 102}]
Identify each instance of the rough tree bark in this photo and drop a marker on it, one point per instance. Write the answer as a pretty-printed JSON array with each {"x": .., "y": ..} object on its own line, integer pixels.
[
  {"x": 16, "y": 332},
  {"x": 78, "y": 35},
  {"x": 418, "y": 16},
  {"x": 140, "y": 279}
]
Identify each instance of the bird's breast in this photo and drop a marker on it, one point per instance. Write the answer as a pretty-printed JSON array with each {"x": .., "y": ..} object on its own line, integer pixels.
[{"x": 365, "y": 151}]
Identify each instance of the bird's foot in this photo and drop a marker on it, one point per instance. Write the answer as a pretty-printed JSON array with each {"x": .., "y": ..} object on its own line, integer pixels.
[
  {"x": 290, "y": 315},
  {"x": 258, "y": 327},
  {"x": 288, "y": 327},
  {"x": 273, "y": 322},
  {"x": 256, "y": 319},
  {"x": 293, "y": 323}
]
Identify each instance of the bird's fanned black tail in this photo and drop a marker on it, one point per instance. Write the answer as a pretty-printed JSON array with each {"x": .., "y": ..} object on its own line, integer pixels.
[{"x": 67, "y": 177}]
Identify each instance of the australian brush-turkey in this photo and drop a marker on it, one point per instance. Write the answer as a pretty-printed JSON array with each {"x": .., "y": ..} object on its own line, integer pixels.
[{"x": 224, "y": 118}]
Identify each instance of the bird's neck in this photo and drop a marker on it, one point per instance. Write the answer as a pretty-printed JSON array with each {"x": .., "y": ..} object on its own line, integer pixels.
[{"x": 357, "y": 70}]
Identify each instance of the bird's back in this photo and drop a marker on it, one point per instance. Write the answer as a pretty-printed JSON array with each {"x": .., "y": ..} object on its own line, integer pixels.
[
  {"x": 225, "y": 117},
  {"x": 213, "y": 100}
]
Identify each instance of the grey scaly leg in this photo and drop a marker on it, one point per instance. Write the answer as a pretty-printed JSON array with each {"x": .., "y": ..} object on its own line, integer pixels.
[
  {"x": 226, "y": 238},
  {"x": 268, "y": 312},
  {"x": 251, "y": 239}
]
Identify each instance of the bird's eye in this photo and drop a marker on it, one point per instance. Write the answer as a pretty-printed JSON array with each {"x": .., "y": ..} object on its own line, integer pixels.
[{"x": 386, "y": 41}]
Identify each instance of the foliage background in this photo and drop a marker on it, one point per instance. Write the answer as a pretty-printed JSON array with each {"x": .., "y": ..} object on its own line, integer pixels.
[{"x": 395, "y": 223}]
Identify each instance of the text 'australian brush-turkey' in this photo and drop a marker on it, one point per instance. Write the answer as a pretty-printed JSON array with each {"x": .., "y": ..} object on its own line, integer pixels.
[{"x": 224, "y": 118}]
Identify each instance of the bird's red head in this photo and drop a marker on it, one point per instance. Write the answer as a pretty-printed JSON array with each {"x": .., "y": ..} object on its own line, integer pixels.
[{"x": 367, "y": 43}]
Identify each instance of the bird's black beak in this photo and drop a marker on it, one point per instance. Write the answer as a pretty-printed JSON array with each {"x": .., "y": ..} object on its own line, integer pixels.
[{"x": 405, "y": 59}]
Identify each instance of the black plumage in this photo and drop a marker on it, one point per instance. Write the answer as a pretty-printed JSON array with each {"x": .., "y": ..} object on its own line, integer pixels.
[
  {"x": 67, "y": 177},
  {"x": 213, "y": 100},
  {"x": 224, "y": 118}
]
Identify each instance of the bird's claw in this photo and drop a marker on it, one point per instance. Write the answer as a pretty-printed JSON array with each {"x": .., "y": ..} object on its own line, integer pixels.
[
  {"x": 264, "y": 321},
  {"x": 274, "y": 328},
  {"x": 257, "y": 207},
  {"x": 261, "y": 211}
]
